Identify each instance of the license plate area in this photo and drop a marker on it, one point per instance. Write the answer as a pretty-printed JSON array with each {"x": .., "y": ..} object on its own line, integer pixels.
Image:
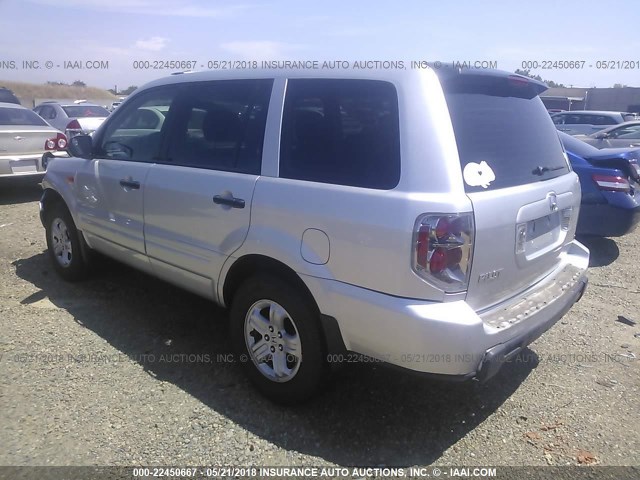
[
  {"x": 542, "y": 232},
  {"x": 23, "y": 166}
]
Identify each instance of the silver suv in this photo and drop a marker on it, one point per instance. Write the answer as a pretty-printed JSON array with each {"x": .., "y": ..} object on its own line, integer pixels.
[{"x": 420, "y": 218}]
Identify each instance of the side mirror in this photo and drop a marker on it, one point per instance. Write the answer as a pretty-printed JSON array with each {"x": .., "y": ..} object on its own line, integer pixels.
[
  {"x": 601, "y": 136},
  {"x": 81, "y": 146}
]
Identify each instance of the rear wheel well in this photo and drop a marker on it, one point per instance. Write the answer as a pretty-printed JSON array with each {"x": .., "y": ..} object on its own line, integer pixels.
[
  {"x": 50, "y": 197},
  {"x": 250, "y": 265}
]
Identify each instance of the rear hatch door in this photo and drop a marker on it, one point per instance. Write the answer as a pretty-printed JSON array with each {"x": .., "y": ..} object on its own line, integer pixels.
[{"x": 525, "y": 197}]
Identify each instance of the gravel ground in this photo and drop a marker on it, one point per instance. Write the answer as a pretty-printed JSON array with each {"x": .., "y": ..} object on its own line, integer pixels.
[{"x": 99, "y": 373}]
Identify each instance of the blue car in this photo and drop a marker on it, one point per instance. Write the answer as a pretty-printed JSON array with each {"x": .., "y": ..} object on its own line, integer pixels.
[{"x": 610, "y": 181}]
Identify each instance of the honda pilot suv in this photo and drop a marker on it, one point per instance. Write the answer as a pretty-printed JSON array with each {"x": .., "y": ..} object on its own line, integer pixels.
[{"x": 421, "y": 218}]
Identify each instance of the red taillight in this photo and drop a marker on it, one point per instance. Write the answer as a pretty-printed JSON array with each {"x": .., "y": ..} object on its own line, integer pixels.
[
  {"x": 61, "y": 141},
  {"x": 442, "y": 250},
  {"x": 74, "y": 125},
  {"x": 438, "y": 260},
  {"x": 454, "y": 256},
  {"x": 443, "y": 227},
  {"x": 611, "y": 183},
  {"x": 422, "y": 246},
  {"x": 58, "y": 143}
]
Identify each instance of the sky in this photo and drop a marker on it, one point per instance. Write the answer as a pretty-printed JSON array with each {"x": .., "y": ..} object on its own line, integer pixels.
[{"x": 118, "y": 42}]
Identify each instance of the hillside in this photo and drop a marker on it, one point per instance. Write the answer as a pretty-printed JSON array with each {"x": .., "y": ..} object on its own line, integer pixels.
[{"x": 31, "y": 90}]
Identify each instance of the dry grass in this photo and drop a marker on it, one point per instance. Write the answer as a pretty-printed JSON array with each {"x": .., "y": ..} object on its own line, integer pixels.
[{"x": 32, "y": 90}]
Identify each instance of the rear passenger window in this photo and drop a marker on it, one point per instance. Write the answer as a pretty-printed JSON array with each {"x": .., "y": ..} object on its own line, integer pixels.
[
  {"x": 220, "y": 125},
  {"x": 343, "y": 132}
]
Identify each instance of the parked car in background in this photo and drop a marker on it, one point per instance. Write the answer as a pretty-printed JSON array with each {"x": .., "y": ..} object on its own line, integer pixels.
[
  {"x": 586, "y": 122},
  {"x": 626, "y": 134},
  {"x": 610, "y": 181},
  {"x": 7, "y": 96},
  {"x": 114, "y": 105},
  {"x": 73, "y": 118},
  {"x": 27, "y": 142}
]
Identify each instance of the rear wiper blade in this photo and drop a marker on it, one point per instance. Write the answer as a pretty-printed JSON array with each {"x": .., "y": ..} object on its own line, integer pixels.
[{"x": 542, "y": 170}]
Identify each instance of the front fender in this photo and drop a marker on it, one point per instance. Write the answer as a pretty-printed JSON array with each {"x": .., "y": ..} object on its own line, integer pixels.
[{"x": 60, "y": 179}]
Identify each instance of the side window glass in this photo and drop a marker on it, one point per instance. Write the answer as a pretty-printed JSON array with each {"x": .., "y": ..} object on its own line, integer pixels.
[
  {"x": 220, "y": 125},
  {"x": 632, "y": 132},
  {"x": 47, "y": 113},
  {"x": 603, "y": 120},
  {"x": 559, "y": 119},
  {"x": 344, "y": 132},
  {"x": 135, "y": 131}
]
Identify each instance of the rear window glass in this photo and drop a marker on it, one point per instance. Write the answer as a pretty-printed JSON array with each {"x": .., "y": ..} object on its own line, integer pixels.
[
  {"x": 504, "y": 134},
  {"x": 8, "y": 97},
  {"x": 19, "y": 116},
  {"x": 80, "y": 111}
]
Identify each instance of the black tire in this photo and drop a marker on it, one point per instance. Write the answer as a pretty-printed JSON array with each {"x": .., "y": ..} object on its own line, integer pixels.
[
  {"x": 303, "y": 317},
  {"x": 72, "y": 265}
]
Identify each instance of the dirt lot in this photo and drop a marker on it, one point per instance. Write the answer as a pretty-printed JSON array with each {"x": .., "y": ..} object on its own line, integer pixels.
[{"x": 83, "y": 380}]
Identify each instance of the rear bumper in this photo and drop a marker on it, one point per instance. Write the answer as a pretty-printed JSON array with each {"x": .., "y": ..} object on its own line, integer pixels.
[
  {"x": 495, "y": 357},
  {"x": 26, "y": 165},
  {"x": 607, "y": 220},
  {"x": 450, "y": 339}
]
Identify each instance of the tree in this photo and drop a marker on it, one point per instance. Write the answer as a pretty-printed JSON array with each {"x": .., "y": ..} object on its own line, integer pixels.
[
  {"x": 79, "y": 83},
  {"x": 550, "y": 83},
  {"x": 128, "y": 90},
  {"x": 619, "y": 85}
]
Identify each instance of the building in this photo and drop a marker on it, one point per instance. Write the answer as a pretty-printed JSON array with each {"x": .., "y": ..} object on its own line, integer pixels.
[{"x": 624, "y": 99}]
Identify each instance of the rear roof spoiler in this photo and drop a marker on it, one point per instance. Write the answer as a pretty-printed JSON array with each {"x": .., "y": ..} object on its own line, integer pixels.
[{"x": 493, "y": 82}]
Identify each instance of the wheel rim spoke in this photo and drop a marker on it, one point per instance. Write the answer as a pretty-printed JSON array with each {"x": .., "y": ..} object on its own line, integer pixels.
[
  {"x": 272, "y": 341},
  {"x": 260, "y": 351},
  {"x": 291, "y": 345},
  {"x": 279, "y": 360},
  {"x": 277, "y": 314},
  {"x": 257, "y": 321},
  {"x": 61, "y": 242}
]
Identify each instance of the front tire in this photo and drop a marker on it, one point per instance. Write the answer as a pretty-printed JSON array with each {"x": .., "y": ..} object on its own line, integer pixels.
[
  {"x": 64, "y": 244},
  {"x": 277, "y": 338}
]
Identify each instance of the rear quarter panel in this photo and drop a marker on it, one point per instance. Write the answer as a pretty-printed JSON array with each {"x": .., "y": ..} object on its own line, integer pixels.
[{"x": 370, "y": 231}]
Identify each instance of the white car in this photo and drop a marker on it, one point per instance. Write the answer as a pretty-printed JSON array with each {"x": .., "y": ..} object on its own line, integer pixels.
[
  {"x": 73, "y": 118},
  {"x": 27, "y": 142},
  {"x": 420, "y": 218}
]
